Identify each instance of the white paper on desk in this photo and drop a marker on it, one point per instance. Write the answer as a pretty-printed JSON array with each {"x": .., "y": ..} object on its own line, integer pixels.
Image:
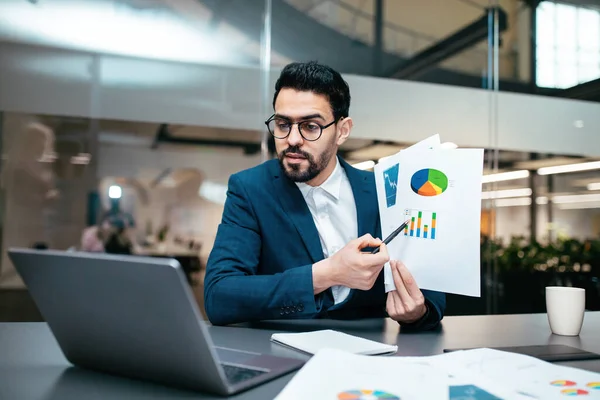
[
  {"x": 470, "y": 385},
  {"x": 432, "y": 142},
  {"x": 313, "y": 342},
  {"x": 525, "y": 376},
  {"x": 331, "y": 374},
  {"x": 441, "y": 244}
]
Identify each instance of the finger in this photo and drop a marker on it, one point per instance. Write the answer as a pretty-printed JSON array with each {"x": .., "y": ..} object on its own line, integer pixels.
[
  {"x": 394, "y": 305},
  {"x": 409, "y": 282},
  {"x": 366, "y": 241},
  {"x": 383, "y": 256},
  {"x": 389, "y": 303},
  {"x": 403, "y": 294}
]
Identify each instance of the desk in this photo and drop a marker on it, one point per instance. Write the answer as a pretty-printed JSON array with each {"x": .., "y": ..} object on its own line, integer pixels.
[{"x": 32, "y": 366}]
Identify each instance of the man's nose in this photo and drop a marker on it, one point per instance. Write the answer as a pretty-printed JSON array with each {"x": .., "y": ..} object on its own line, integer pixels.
[{"x": 295, "y": 138}]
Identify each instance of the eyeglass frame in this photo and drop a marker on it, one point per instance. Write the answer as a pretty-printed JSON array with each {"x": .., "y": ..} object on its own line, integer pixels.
[{"x": 323, "y": 127}]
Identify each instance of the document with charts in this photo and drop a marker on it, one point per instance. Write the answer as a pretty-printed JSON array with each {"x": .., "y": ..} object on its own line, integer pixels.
[
  {"x": 335, "y": 374},
  {"x": 432, "y": 142},
  {"x": 521, "y": 376},
  {"x": 438, "y": 191}
]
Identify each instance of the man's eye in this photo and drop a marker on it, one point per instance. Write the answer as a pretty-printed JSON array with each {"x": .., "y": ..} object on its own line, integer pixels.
[{"x": 311, "y": 126}]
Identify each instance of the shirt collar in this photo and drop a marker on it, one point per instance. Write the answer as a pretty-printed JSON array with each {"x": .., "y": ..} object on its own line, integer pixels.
[{"x": 331, "y": 185}]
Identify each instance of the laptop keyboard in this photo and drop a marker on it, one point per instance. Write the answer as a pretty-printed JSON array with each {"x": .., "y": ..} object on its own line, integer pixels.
[{"x": 237, "y": 374}]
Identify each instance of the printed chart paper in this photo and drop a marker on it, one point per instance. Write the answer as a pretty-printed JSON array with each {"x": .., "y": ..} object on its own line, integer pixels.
[
  {"x": 337, "y": 375},
  {"x": 432, "y": 142},
  {"x": 526, "y": 377},
  {"x": 439, "y": 192}
]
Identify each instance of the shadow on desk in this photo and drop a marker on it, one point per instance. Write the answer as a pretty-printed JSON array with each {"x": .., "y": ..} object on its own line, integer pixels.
[
  {"x": 78, "y": 383},
  {"x": 357, "y": 326},
  {"x": 306, "y": 325}
]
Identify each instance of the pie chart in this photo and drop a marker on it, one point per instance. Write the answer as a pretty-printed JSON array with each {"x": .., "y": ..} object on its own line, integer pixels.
[
  {"x": 429, "y": 182},
  {"x": 563, "y": 383},
  {"x": 574, "y": 392},
  {"x": 365, "y": 394},
  {"x": 594, "y": 385}
]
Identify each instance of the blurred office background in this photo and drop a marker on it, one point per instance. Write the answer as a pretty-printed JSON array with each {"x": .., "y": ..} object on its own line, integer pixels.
[{"x": 123, "y": 119}]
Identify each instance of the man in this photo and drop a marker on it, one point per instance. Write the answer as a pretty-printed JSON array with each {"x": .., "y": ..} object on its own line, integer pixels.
[{"x": 295, "y": 233}]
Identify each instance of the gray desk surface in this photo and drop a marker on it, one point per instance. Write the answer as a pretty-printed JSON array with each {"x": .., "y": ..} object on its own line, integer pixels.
[{"x": 32, "y": 366}]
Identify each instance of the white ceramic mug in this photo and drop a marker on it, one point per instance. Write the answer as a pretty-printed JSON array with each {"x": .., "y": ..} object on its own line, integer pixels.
[{"x": 565, "y": 307}]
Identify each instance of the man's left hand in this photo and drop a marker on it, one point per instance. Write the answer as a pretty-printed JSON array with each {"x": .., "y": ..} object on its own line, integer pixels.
[{"x": 406, "y": 304}]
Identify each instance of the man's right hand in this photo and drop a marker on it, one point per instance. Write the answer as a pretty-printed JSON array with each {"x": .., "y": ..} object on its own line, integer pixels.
[{"x": 350, "y": 266}]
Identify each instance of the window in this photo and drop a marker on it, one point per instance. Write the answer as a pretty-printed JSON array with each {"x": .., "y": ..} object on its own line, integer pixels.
[{"x": 568, "y": 45}]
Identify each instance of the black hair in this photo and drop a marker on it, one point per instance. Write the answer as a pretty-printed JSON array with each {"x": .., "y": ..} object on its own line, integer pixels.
[{"x": 317, "y": 78}]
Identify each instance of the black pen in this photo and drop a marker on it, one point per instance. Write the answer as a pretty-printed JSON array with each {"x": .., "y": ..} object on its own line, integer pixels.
[{"x": 392, "y": 235}]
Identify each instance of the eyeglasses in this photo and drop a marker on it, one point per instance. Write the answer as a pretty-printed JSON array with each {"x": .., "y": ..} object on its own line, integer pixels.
[{"x": 280, "y": 128}]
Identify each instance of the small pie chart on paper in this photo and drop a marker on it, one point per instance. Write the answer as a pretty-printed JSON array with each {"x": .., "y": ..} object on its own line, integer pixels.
[
  {"x": 429, "y": 182},
  {"x": 366, "y": 395}
]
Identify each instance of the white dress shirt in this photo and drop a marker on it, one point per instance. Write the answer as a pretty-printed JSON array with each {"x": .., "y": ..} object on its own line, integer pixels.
[{"x": 334, "y": 211}]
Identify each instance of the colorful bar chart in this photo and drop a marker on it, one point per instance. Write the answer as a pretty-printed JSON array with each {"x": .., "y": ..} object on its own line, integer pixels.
[{"x": 418, "y": 227}]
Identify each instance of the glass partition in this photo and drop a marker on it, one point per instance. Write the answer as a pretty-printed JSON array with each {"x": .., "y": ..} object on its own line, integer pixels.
[
  {"x": 121, "y": 124},
  {"x": 130, "y": 128}
]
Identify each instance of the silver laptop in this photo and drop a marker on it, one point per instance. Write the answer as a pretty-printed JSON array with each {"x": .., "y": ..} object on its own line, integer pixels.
[{"x": 136, "y": 317}]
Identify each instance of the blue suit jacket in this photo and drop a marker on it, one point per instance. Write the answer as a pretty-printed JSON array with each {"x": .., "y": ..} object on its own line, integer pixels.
[{"x": 261, "y": 264}]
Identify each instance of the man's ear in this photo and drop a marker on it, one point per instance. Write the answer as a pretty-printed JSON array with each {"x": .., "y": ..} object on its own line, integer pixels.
[{"x": 344, "y": 128}]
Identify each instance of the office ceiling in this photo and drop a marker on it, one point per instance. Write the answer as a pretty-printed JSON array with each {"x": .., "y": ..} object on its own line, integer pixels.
[{"x": 212, "y": 31}]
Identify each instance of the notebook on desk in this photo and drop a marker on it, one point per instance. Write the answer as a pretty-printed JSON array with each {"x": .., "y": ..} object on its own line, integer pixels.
[{"x": 312, "y": 342}]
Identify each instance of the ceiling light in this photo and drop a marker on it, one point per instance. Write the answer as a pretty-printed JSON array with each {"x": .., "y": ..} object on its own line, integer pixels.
[
  {"x": 576, "y": 198},
  {"x": 213, "y": 191},
  {"x": 521, "y": 201},
  {"x": 364, "y": 165},
  {"x": 448, "y": 145},
  {"x": 83, "y": 26},
  {"x": 593, "y": 186},
  {"x": 561, "y": 169},
  {"x": 81, "y": 159},
  {"x": 499, "y": 194},
  {"x": 115, "y": 192},
  {"x": 578, "y": 206},
  {"x": 505, "y": 176},
  {"x": 48, "y": 157}
]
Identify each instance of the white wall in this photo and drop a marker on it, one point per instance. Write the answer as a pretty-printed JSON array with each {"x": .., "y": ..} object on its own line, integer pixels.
[{"x": 47, "y": 81}]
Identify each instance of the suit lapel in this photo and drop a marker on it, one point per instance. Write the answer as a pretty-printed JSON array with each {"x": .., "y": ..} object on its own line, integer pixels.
[
  {"x": 363, "y": 188},
  {"x": 294, "y": 205}
]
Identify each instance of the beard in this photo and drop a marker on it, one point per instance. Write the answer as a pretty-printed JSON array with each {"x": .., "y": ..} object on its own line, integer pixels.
[{"x": 300, "y": 173}]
